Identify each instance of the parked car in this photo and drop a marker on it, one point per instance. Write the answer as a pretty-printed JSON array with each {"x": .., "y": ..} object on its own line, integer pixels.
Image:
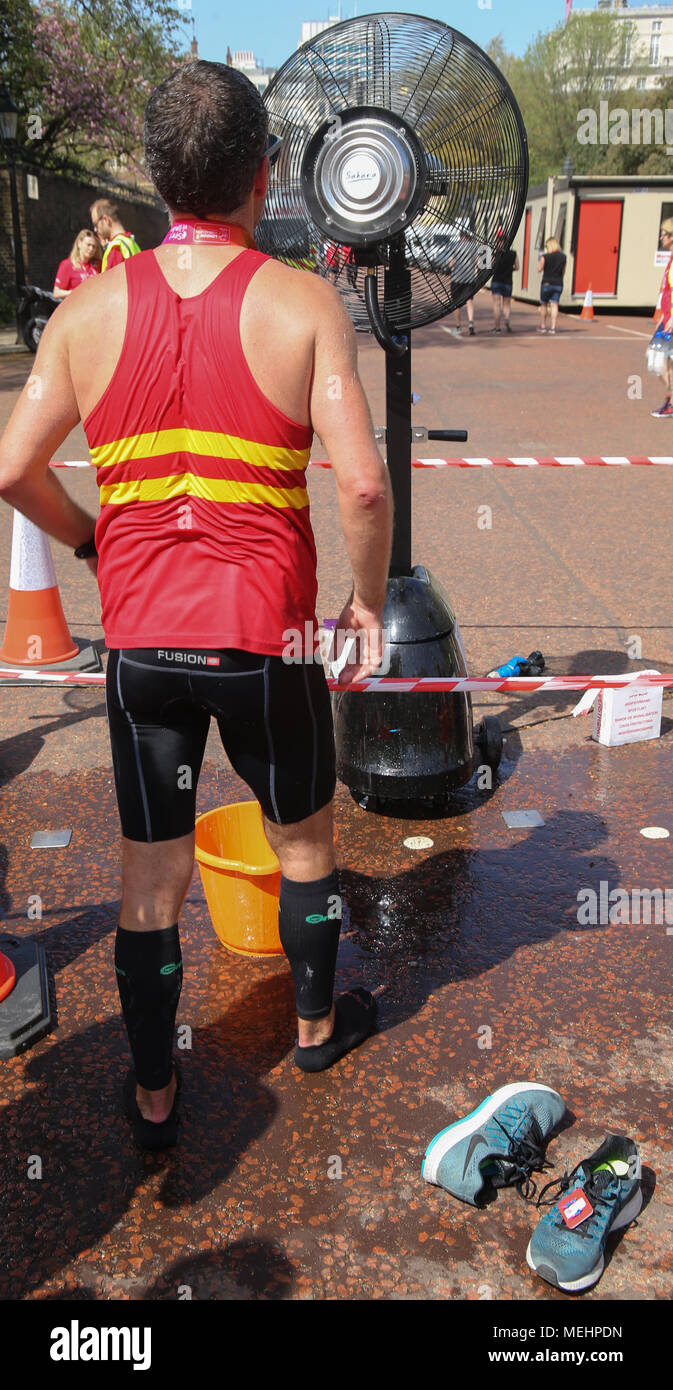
[{"x": 431, "y": 246}]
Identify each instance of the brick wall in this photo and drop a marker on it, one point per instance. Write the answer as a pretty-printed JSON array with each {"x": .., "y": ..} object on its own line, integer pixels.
[{"x": 50, "y": 222}]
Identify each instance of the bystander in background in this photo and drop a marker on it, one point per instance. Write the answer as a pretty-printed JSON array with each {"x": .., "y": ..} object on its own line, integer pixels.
[
  {"x": 664, "y": 310},
  {"x": 552, "y": 263},
  {"x": 506, "y": 262},
  {"x": 119, "y": 244},
  {"x": 84, "y": 260},
  {"x": 464, "y": 268}
]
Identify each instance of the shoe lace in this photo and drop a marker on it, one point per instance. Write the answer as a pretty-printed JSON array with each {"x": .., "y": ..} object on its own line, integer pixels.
[
  {"x": 527, "y": 1155},
  {"x": 598, "y": 1195}
]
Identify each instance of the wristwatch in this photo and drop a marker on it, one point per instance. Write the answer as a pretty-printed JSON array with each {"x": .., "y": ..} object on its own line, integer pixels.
[{"x": 83, "y": 552}]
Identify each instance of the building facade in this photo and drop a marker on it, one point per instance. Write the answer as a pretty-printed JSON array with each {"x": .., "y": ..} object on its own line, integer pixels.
[
  {"x": 647, "y": 57},
  {"x": 245, "y": 61},
  {"x": 311, "y": 27}
]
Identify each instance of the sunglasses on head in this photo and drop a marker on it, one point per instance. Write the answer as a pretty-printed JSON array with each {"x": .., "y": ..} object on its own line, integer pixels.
[{"x": 273, "y": 148}]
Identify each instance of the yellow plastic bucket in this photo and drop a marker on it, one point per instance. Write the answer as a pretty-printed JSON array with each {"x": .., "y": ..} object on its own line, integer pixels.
[{"x": 241, "y": 878}]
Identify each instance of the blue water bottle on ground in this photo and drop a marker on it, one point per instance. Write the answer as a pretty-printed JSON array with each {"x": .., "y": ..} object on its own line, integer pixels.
[{"x": 510, "y": 668}]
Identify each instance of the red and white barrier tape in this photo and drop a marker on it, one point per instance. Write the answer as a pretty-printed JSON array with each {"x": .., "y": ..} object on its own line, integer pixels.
[
  {"x": 560, "y": 462},
  {"x": 396, "y": 684},
  {"x": 604, "y": 462},
  {"x": 522, "y": 684}
]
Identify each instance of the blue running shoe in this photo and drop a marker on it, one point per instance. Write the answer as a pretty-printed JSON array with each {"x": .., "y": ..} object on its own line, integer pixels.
[
  {"x": 601, "y": 1195},
  {"x": 500, "y": 1143}
]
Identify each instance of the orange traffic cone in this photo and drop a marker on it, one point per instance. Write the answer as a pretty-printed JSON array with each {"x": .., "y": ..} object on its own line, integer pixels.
[
  {"x": 588, "y": 306},
  {"x": 7, "y": 976},
  {"x": 36, "y": 633}
]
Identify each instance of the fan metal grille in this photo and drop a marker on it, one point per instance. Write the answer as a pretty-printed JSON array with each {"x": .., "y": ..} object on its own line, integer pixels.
[{"x": 470, "y": 130}]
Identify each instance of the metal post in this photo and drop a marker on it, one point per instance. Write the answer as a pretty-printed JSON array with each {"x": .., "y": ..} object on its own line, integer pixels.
[
  {"x": 19, "y": 268},
  {"x": 397, "y": 286}
]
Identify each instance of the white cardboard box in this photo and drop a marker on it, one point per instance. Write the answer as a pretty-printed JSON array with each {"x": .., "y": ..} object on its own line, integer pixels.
[{"x": 626, "y": 715}]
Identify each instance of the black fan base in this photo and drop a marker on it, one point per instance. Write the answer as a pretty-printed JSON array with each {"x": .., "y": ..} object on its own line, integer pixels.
[{"x": 403, "y": 754}]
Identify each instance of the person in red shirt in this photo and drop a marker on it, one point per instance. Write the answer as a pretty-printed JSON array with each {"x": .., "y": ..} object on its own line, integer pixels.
[
  {"x": 665, "y": 310},
  {"x": 199, "y": 380},
  {"x": 84, "y": 260}
]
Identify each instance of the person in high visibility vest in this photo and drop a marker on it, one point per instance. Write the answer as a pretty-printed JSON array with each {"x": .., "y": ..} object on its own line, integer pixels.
[{"x": 119, "y": 244}]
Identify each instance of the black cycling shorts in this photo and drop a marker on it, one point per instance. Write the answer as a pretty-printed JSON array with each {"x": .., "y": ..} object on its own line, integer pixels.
[{"x": 274, "y": 718}]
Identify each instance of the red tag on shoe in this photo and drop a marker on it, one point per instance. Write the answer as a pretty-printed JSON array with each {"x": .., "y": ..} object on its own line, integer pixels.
[{"x": 575, "y": 1208}]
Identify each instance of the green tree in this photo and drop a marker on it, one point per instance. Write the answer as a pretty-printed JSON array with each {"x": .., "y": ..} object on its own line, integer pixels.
[
  {"x": 647, "y": 153},
  {"x": 562, "y": 73},
  {"x": 498, "y": 53},
  {"x": 17, "y": 24},
  {"x": 81, "y": 71}
]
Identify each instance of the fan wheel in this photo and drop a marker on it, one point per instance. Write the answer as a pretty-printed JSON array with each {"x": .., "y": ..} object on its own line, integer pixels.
[{"x": 488, "y": 737}]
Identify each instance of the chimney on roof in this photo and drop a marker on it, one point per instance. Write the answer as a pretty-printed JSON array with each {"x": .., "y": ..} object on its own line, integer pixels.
[{"x": 228, "y": 56}]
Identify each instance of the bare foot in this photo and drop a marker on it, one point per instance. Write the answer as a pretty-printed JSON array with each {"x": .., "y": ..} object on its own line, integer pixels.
[{"x": 156, "y": 1105}]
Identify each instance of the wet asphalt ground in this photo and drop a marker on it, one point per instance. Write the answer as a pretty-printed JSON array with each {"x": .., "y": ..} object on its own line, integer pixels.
[{"x": 285, "y": 1186}]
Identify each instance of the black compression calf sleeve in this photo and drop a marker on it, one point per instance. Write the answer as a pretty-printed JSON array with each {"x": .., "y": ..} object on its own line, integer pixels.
[
  {"x": 149, "y": 978},
  {"x": 309, "y": 923}
]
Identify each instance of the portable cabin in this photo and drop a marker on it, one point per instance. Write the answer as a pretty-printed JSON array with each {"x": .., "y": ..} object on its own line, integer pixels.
[{"x": 609, "y": 229}]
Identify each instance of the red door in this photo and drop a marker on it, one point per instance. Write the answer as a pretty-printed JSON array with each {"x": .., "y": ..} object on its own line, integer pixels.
[
  {"x": 526, "y": 250},
  {"x": 597, "y": 255}
]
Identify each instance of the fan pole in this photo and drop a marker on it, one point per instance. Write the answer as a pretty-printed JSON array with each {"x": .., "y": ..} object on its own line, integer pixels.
[{"x": 397, "y": 288}]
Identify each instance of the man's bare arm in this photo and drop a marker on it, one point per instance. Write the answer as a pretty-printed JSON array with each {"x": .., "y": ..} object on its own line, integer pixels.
[
  {"x": 44, "y": 414},
  {"x": 340, "y": 415}
]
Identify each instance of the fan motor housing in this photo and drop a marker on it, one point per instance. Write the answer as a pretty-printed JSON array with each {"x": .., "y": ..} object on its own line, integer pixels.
[{"x": 363, "y": 175}]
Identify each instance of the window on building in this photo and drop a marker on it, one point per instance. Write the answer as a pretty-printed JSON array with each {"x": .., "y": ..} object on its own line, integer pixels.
[
  {"x": 539, "y": 240},
  {"x": 640, "y": 84},
  {"x": 655, "y": 50},
  {"x": 609, "y": 84},
  {"x": 560, "y": 228},
  {"x": 656, "y": 26}
]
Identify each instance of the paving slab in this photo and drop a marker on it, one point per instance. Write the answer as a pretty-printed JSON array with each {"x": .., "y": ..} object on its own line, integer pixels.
[{"x": 288, "y": 1186}]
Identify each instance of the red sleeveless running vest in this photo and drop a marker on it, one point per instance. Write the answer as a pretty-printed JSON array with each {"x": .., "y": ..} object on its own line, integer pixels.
[{"x": 204, "y": 534}]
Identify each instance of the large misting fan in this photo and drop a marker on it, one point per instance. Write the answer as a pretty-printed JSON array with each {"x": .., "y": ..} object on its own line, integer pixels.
[{"x": 402, "y": 175}]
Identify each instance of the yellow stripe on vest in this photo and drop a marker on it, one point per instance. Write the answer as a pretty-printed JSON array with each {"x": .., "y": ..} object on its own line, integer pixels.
[
  {"x": 206, "y": 443},
  {"x": 193, "y": 485}
]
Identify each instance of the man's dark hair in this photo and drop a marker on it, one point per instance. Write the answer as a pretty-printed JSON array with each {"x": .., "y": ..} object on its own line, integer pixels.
[{"x": 205, "y": 134}]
